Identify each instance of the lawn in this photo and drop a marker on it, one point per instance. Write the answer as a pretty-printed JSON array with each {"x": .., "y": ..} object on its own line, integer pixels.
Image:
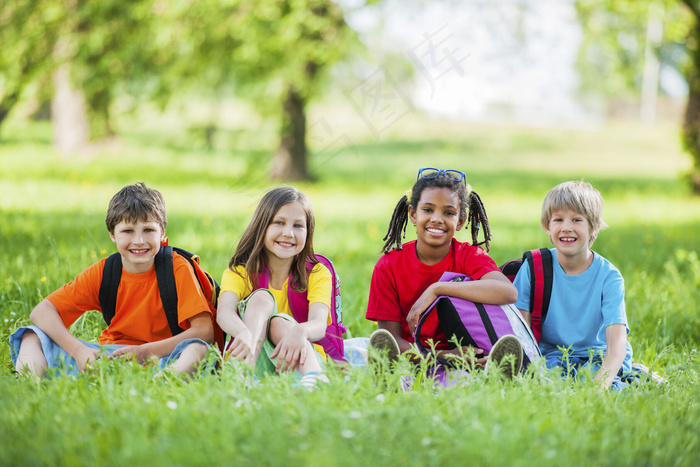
[{"x": 52, "y": 209}]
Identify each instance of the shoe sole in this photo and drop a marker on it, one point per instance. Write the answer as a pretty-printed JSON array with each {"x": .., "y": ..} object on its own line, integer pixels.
[
  {"x": 506, "y": 345},
  {"x": 382, "y": 341}
]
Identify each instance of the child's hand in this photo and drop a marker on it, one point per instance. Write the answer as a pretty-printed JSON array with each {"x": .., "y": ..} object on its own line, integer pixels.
[
  {"x": 291, "y": 350},
  {"x": 464, "y": 352},
  {"x": 139, "y": 353},
  {"x": 419, "y": 307},
  {"x": 242, "y": 347},
  {"x": 86, "y": 356}
]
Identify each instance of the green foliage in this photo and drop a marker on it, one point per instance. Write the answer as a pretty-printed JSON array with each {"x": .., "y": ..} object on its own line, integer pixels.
[
  {"x": 52, "y": 227},
  {"x": 614, "y": 41},
  {"x": 28, "y": 34}
]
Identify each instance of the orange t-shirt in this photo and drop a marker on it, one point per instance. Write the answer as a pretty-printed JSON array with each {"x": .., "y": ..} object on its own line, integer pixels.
[{"x": 139, "y": 317}]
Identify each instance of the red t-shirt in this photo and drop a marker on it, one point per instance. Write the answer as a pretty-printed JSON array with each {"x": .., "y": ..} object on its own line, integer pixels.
[
  {"x": 139, "y": 317},
  {"x": 399, "y": 278}
]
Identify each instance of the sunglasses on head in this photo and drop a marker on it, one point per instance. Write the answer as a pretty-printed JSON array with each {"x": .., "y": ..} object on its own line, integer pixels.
[{"x": 431, "y": 172}]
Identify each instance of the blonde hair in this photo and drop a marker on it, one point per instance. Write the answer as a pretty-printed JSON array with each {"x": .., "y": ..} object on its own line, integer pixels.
[{"x": 578, "y": 196}]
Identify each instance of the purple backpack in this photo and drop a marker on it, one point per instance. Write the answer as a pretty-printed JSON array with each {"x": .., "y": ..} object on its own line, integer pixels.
[
  {"x": 475, "y": 324},
  {"x": 332, "y": 342}
]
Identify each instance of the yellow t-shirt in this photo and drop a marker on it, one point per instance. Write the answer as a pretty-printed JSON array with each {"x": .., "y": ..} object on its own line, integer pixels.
[{"x": 319, "y": 290}]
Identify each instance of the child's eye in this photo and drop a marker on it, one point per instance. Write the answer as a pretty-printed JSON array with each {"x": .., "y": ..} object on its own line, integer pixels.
[
  {"x": 427, "y": 210},
  {"x": 278, "y": 222},
  {"x": 449, "y": 213},
  {"x": 298, "y": 226}
]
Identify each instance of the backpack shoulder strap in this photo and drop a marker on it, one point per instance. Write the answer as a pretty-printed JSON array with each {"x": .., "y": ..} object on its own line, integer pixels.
[
  {"x": 541, "y": 276},
  {"x": 111, "y": 276},
  {"x": 165, "y": 275}
]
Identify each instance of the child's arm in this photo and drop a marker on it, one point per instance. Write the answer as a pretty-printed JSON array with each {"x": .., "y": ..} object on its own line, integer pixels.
[
  {"x": 45, "y": 316},
  {"x": 243, "y": 345},
  {"x": 527, "y": 316},
  {"x": 615, "y": 351},
  {"x": 291, "y": 349},
  {"x": 493, "y": 288},
  {"x": 200, "y": 328}
]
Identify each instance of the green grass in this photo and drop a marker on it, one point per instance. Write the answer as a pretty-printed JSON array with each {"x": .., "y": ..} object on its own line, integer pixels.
[{"x": 52, "y": 226}]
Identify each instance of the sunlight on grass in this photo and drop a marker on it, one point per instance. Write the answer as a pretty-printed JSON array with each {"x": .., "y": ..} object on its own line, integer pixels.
[{"x": 52, "y": 228}]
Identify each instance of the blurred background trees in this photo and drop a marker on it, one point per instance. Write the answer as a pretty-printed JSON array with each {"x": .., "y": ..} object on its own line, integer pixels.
[{"x": 78, "y": 57}]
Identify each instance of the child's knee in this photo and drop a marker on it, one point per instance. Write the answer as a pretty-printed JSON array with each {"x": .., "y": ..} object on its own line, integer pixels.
[
  {"x": 198, "y": 349},
  {"x": 30, "y": 339},
  {"x": 261, "y": 303}
]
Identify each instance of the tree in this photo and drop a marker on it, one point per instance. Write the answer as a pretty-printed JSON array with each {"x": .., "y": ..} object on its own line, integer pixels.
[
  {"x": 615, "y": 39},
  {"x": 273, "y": 53},
  {"x": 91, "y": 48},
  {"x": 28, "y": 34}
]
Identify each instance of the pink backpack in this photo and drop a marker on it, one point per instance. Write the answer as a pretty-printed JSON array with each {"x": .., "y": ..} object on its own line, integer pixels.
[{"x": 332, "y": 342}]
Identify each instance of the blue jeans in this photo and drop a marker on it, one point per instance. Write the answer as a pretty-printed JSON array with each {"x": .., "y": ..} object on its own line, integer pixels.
[
  {"x": 571, "y": 366},
  {"x": 56, "y": 357}
]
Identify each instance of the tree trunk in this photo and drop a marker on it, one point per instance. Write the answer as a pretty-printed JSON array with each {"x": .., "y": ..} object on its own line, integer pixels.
[
  {"x": 289, "y": 163},
  {"x": 70, "y": 127},
  {"x": 691, "y": 123},
  {"x": 7, "y": 103}
]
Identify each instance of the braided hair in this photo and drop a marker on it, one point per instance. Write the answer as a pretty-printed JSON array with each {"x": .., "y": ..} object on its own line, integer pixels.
[{"x": 471, "y": 208}]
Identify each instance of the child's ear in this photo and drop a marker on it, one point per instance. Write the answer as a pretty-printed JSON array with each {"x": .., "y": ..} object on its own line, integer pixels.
[
  {"x": 111, "y": 235},
  {"x": 460, "y": 223},
  {"x": 412, "y": 214}
]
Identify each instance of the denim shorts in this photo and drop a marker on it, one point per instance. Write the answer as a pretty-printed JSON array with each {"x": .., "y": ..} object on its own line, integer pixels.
[
  {"x": 56, "y": 357},
  {"x": 573, "y": 365}
]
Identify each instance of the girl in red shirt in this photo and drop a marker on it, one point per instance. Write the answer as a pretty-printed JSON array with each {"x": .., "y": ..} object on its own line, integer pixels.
[{"x": 405, "y": 279}]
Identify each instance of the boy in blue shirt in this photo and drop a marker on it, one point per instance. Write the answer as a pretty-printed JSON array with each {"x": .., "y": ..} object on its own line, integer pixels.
[{"x": 587, "y": 306}]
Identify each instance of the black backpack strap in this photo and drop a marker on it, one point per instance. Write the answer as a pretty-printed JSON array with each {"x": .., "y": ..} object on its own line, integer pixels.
[
  {"x": 111, "y": 276},
  {"x": 165, "y": 274}
]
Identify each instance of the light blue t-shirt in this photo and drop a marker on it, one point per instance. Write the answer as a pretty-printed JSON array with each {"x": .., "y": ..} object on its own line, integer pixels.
[{"x": 580, "y": 308}]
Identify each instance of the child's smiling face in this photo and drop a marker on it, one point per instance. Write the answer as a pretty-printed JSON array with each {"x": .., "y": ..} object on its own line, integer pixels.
[
  {"x": 286, "y": 236},
  {"x": 138, "y": 243},
  {"x": 570, "y": 233},
  {"x": 436, "y": 217}
]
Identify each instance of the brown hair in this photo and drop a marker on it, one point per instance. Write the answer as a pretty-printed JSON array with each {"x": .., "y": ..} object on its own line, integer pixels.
[
  {"x": 250, "y": 252},
  {"x": 134, "y": 203}
]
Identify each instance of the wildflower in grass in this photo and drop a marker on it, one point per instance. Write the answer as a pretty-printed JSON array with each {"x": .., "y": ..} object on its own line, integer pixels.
[
  {"x": 147, "y": 400},
  {"x": 347, "y": 434},
  {"x": 172, "y": 405},
  {"x": 133, "y": 392},
  {"x": 380, "y": 398},
  {"x": 426, "y": 441},
  {"x": 355, "y": 414},
  {"x": 103, "y": 251},
  {"x": 43, "y": 279}
]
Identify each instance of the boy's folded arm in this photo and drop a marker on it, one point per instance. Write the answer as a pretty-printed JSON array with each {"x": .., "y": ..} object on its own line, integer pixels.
[
  {"x": 493, "y": 288},
  {"x": 47, "y": 318}
]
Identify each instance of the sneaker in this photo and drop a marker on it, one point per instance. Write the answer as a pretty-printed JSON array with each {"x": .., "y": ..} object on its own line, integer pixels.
[
  {"x": 384, "y": 343},
  {"x": 311, "y": 379},
  {"x": 505, "y": 346},
  {"x": 654, "y": 376}
]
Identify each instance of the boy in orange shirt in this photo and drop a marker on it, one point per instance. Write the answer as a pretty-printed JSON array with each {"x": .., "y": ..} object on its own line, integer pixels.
[{"x": 139, "y": 330}]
